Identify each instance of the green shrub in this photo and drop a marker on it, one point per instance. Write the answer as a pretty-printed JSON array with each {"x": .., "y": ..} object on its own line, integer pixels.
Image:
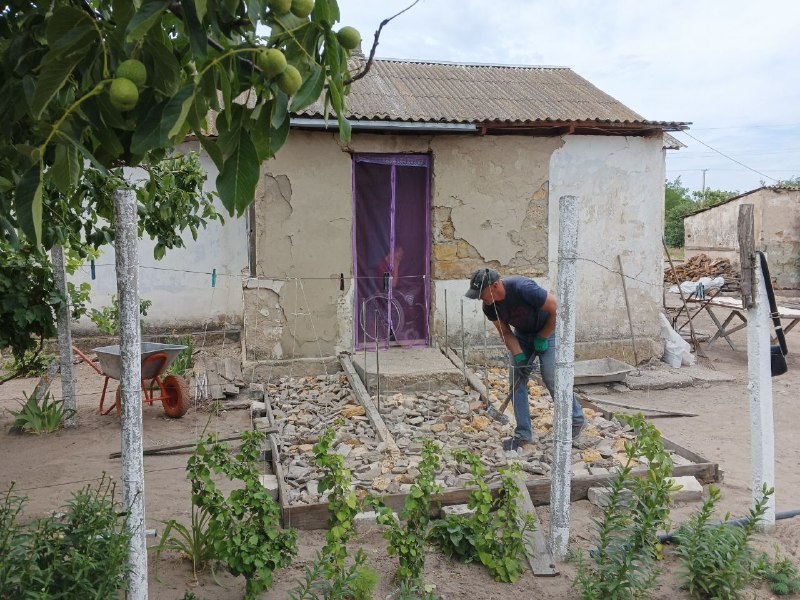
[
  {"x": 364, "y": 583},
  {"x": 185, "y": 360},
  {"x": 781, "y": 574},
  {"x": 80, "y": 553},
  {"x": 493, "y": 534},
  {"x": 107, "y": 318},
  {"x": 408, "y": 534},
  {"x": 717, "y": 558},
  {"x": 33, "y": 364},
  {"x": 44, "y": 417},
  {"x": 245, "y": 526},
  {"x": 624, "y": 560}
]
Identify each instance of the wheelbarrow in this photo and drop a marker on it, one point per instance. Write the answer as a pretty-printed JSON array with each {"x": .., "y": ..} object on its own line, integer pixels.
[{"x": 156, "y": 358}]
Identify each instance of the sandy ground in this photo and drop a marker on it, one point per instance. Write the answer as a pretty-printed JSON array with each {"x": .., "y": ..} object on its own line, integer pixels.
[{"x": 47, "y": 469}]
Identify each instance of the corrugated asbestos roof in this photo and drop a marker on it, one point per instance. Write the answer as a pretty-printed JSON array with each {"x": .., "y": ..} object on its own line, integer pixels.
[{"x": 415, "y": 91}]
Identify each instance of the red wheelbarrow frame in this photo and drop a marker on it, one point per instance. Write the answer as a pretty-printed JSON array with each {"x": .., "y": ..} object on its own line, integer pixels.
[{"x": 173, "y": 408}]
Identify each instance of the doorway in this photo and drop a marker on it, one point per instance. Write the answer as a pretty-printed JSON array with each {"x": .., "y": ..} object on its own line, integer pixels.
[{"x": 391, "y": 241}]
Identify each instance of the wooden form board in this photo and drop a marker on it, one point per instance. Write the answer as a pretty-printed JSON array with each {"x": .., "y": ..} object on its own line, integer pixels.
[
  {"x": 538, "y": 554},
  {"x": 315, "y": 516},
  {"x": 277, "y": 469}
]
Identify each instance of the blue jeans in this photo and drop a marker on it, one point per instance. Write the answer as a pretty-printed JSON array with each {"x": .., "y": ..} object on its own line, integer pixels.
[{"x": 547, "y": 365}]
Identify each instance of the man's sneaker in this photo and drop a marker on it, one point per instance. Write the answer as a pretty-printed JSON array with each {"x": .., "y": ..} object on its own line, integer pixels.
[
  {"x": 515, "y": 443},
  {"x": 577, "y": 429}
]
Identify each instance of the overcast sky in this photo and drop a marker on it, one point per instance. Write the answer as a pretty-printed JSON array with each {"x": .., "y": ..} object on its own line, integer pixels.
[{"x": 731, "y": 67}]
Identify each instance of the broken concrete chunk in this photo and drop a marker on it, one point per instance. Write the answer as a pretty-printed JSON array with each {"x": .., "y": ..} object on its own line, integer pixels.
[
  {"x": 600, "y": 496},
  {"x": 461, "y": 510},
  {"x": 690, "y": 489},
  {"x": 260, "y": 423},
  {"x": 270, "y": 483}
]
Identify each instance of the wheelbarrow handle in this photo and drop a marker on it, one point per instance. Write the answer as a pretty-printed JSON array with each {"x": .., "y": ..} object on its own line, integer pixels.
[{"x": 88, "y": 360}]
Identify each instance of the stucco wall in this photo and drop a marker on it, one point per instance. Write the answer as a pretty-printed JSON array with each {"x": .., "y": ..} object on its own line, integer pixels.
[
  {"x": 620, "y": 184},
  {"x": 179, "y": 285},
  {"x": 776, "y": 216},
  {"x": 491, "y": 204}
]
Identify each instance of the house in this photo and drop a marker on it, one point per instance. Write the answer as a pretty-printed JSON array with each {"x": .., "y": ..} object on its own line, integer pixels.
[
  {"x": 453, "y": 167},
  {"x": 776, "y": 215}
]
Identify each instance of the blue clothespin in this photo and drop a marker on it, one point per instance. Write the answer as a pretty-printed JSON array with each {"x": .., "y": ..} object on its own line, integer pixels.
[
  {"x": 91, "y": 266},
  {"x": 214, "y": 278}
]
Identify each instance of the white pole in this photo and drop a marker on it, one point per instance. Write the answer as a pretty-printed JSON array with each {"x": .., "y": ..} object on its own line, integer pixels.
[
  {"x": 130, "y": 385},
  {"x": 64, "y": 338},
  {"x": 759, "y": 388},
  {"x": 564, "y": 376}
]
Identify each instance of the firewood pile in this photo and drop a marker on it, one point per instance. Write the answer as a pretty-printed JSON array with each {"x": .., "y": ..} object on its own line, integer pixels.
[{"x": 703, "y": 265}]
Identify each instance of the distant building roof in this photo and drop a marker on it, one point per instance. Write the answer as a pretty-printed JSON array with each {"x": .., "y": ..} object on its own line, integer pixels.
[
  {"x": 775, "y": 188},
  {"x": 492, "y": 96}
]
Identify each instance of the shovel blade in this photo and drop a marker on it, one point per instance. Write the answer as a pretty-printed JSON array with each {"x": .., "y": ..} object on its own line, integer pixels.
[{"x": 497, "y": 415}]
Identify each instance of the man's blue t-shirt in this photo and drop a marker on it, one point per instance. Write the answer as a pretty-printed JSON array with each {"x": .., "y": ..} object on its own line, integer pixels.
[{"x": 522, "y": 306}]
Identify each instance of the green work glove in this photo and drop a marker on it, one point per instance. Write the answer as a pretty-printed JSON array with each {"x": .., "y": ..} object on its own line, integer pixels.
[
  {"x": 540, "y": 344},
  {"x": 520, "y": 359}
]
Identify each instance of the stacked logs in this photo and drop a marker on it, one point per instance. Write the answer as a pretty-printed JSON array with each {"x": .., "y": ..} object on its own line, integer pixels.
[{"x": 702, "y": 265}]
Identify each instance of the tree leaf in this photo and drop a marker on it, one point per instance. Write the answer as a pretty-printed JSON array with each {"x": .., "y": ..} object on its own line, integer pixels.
[
  {"x": 201, "y": 7},
  {"x": 144, "y": 19},
  {"x": 166, "y": 68},
  {"x": 53, "y": 75},
  {"x": 310, "y": 91},
  {"x": 278, "y": 136},
  {"x": 237, "y": 181},
  {"x": 28, "y": 203},
  {"x": 147, "y": 135},
  {"x": 66, "y": 168},
  {"x": 212, "y": 149},
  {"x": 178, "y": 109},
  {"x": 67, "y": 29}
]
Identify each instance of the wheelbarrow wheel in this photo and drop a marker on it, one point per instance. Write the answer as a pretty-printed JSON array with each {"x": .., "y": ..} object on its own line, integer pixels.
[{"x": 176, "y": 399}]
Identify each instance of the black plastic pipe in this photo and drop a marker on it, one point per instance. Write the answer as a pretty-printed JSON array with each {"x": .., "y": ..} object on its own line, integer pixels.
[{"x": 786, "y": 514}]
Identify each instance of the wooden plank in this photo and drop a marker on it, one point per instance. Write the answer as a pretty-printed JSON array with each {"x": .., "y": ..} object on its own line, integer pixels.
[
  {"x": 364, "y": 399},
  {"x": 157, "y": 449},
  {"x": 745, "y": 233},
  {"x": 277, "y": 468},
  {"x": 473, "y": 379},
  {"x": 539, "y": 557}
]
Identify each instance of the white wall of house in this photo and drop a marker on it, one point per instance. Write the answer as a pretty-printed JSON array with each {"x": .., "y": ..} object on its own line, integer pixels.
[
  {"x": 620, "y": 184},
  {"x": 179, "y": 285}
]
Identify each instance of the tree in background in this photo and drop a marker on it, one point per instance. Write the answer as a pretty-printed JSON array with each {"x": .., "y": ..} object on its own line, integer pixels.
[{"x": 679, "y": 202}]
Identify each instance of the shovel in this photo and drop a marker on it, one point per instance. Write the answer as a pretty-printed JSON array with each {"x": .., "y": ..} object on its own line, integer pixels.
[{"x": 499, "y": 415}]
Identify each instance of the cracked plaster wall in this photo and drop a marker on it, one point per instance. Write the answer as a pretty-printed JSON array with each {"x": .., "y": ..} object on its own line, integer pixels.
[
  {"x": 777, "y": 229},
  {"x": 620, "y": 184}
]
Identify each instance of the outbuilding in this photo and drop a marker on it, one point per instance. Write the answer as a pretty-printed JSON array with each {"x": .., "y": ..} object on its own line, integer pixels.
[{"x": 452, "y": 167}]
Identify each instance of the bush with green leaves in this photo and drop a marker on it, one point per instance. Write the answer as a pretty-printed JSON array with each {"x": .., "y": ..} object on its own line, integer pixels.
[
  {"x": 329, "y": 575},
  {"x": 245, "y": 526},
  {"x": 408, "y": 534},
  {"x": 80, "y": 552},
  {"x": 494, "y": 534},
  {"x": 779, "y": 572},
  {"x": 717, "y": 559},
  {"x": 33, "y": 364},
  {"x": 40, "y": 417},
  {"x": 624, "y": 560},
  {"x": 107, "y": 318},
  {"x": 185, "y": 360}
]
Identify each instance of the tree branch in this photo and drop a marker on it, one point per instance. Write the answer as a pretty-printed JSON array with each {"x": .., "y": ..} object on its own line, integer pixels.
[{"x": 358, "y": 76}]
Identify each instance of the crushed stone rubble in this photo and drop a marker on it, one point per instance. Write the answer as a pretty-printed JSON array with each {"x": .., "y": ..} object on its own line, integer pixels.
[{"x": 304, "y": 407}]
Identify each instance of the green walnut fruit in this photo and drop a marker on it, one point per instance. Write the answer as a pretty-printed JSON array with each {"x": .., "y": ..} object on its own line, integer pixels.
[
  {"x": 290, "y": 80},
  {"x": 123, "y": 94},
  {"x": 279, "y": 7},
  {"x": 133, "y": 70},
  {"x": 271, "y": 61},
  {"x": 302, "y": 8},
  {"x": 348, "y": 37}
]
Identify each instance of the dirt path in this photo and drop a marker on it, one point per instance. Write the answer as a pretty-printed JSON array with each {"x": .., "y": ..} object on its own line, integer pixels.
[{"x": 48, "y": 468}]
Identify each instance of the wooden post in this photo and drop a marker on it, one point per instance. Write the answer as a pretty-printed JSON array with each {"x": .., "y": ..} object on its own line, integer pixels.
[
  {"x": 564, "y": 376},
  {"x": 127, "y": 260},
  {"x": 745, "y": 232},
  {"x": 64, "y": 338},
  {"x": 759, "y": 387}
]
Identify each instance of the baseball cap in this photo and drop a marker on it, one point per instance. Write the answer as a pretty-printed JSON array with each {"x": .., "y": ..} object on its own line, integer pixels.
[{"x": 479, "y": 280}]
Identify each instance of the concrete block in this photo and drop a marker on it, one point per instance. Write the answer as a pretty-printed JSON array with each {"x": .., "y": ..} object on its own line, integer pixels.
[
  {"x": 365, "y": 522},
  {"x": 258, "y": 409},
  {"x": 270, "y": 483},
  {"x": 599, "y": 496},
  {"x": 690, "y": 491},
  {"x": 260, "y": 423},
  {"x": 457, "y": 509},
  {"x": 257, "y": 391}
]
